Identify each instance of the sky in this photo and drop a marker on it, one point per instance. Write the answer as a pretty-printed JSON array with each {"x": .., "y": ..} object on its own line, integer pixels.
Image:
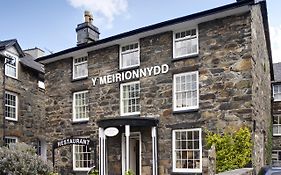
[{"x": 50, "y": 24}]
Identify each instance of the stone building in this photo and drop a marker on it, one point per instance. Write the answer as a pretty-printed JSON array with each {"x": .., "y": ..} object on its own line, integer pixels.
[
  {"x": 276, "y": 108},
  {"x": 148, "y": 96},
  {"x": 21, "y": 80}
]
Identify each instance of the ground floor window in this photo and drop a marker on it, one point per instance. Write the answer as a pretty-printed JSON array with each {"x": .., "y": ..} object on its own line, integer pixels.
[
  {"x": 82, "y": 158},
  {"x": 187, "y": 150},
  {"x": 276, "y": 158},
  {"x": 8, "y": 140},
  {"x": 41, "y": 148}
]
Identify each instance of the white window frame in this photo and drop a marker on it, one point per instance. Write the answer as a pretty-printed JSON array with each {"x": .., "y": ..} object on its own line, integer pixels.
[
  {"x": 16, "y": 107},
  {"x": 41, "y": 84},
  {"x": 74, "y": 107},
  {"x": 279, "y": 92},
  {"x": 175, "y": 108},
  {"x": 277, "y": 125},
  {"x": 121, "y": 99},
  {"x": 74, "y": 159},
  {"x": 11, "y": 138},
  {"x": 276, "y": 158},
  {"x": 74, "y": 76},
  {"x": 185, "y": 38},
  {"x": 15, "y": 57},
  {"x": 41, "y": 149},
  {"x": 126, "y": 52},
  {"x": 186, "y": 170}
]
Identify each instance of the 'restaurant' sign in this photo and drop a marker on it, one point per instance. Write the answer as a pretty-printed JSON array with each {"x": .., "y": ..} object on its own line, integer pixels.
[
  {"x": 76, "y": 141},
  {"x": 131, "y": 74}
]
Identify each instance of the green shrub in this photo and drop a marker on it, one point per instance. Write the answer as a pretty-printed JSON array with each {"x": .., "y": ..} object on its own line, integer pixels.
[
  {"x": 20, "y": 159},
  {"x": 130, "y": 172},
  {"x": 233, "y": 150}
]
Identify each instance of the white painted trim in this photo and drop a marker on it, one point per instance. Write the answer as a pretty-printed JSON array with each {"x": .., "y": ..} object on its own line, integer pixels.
[
  {"x": 12, "y": 137},
  {"x": 121, "y": 99},
  {"x": 137, "y": 36},
  {"x": 73, "y": 159},
  {"x": 73, "y": 107},
  {"x": 120, "y": 54},
  {"x": 9, "y": 54},
  {"x": 174, "y": 155},
  {"x": 75, "y": 64},
  {"x": 174, "y": 39},
  {"x": 123, "y": 147},
  {"x": 17, "y": 106},
  {"x": 174, "y": 91}
]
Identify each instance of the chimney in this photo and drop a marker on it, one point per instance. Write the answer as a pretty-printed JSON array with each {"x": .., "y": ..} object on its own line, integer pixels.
[
  {"x": 35, "y": 52},
  {"x": 87, "y": 32}
]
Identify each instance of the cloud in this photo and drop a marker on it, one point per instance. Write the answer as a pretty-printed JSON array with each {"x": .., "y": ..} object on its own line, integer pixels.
[
  {"x": 104, "y": 11},
  {"x": 275, "y": 37}
]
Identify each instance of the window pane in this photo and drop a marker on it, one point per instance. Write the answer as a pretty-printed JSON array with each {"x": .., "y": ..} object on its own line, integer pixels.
[
  {"x": 81, "y": 105},
  {"x": 187, "y": 150},
  {"x": 131, "y": 98},
  {"x": 130, "y": 55},
  {"x": 80, "y": 68},
  {"x": 82, "y": 156},
  {"x": 185, "y": 43},
  {"x": 186, "y": 95}
]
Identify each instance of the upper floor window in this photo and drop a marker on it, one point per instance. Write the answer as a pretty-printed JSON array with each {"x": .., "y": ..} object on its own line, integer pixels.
[
  {"x": 11, "y": 104},
  {"x": 82, "y": 158},
  {"x": 8, "y": 140},
  {"x": 185, "y": 43},
  {"x": 80, "y": 106},
  {"x": 130, "y": 98},
  {"x": 277, "y": 125},
  {"x": 80, "y": 67},
  {"x": 187, "y": 150},
  {"x": 277, "y": 92},
  {"x": 276, "y": 158},
  {"x": 11, "y": 65},
  {"x": 185, "y": 91},
  {"x": 129, "y": 56}
]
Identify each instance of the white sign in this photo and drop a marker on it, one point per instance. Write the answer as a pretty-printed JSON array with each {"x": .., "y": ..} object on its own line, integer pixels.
[
  {"x": 111, "y": 131},
  {"x": 131, "y": 74}
]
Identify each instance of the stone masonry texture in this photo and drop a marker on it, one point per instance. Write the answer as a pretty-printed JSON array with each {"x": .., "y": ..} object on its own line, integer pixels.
[{"x": 234, "y": 85}]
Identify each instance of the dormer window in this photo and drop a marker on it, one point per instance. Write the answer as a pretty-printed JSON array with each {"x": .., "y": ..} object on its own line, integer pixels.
[
  {"x": 11, "y": 65},
  {"x": 185, "y": 43},
  {"x": 129, "y": 56},
  {"x": 80, "y": 67}
]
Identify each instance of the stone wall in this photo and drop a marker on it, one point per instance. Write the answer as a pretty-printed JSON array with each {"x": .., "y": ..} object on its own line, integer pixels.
[
  {"x": 31, "y": 114},
  {"x": 261, "y": 90},
  {"x": 228, "y": 99}
]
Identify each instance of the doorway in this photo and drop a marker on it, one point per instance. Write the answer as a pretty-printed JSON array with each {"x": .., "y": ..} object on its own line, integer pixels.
[{"x": 134, "y": 152}]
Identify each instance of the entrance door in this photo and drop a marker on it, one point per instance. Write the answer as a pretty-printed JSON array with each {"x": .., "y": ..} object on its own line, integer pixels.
[{"x": 134, "y": 152}]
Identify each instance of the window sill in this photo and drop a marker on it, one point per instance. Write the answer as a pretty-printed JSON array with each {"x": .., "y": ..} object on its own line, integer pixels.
[
  {"x": 185, "y": 57},
  {"x": 80, "y": 122},
  {"x": 276, "y": 135},
  {"x": 186, "y": 111},
  {"x": 11, "y": 119},
  {"x": 79, "y": 79},
  {"x": 128, "y": 68}
]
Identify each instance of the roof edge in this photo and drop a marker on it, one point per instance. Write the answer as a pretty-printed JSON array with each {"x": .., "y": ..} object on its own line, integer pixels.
[{"x": 152, "y": 27}]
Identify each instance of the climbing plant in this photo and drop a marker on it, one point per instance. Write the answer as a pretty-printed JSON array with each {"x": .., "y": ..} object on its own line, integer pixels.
[{"x": 233, "y": 150}]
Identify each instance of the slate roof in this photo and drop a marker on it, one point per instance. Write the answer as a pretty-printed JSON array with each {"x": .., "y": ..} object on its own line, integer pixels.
[
  {"x": 277, "y": 72},
  {"x": 7, "y": 43},
  {"x": 25, "y": 59},
  {"x": 28, "y": 61}
]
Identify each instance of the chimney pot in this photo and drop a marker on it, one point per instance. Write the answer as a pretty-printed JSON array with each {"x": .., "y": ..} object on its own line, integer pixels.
[{"x": 88, "y": 17}]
